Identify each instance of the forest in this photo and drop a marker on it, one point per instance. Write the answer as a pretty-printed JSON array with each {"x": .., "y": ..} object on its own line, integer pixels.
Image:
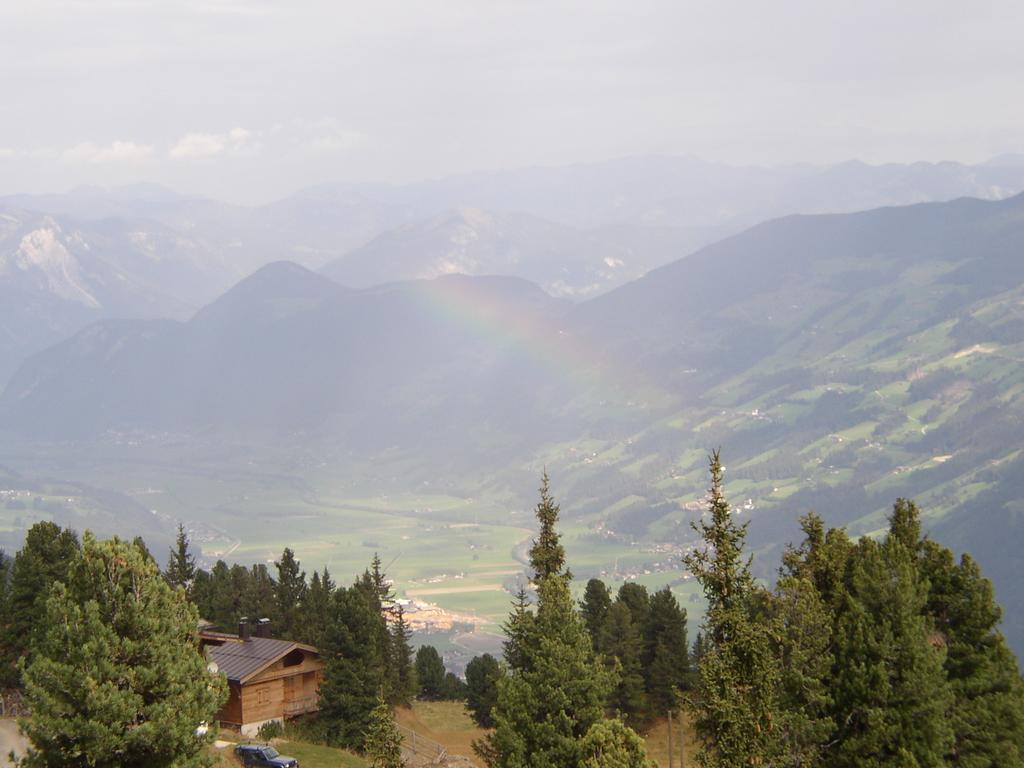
[{"x": 877, "y": 651}]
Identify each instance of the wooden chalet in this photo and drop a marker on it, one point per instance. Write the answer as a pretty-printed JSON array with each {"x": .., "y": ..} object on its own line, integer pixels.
[{"x": 268, "y": 679}]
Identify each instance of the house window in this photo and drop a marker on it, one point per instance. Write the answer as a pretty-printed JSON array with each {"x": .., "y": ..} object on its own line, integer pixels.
[
  {"x": 294, "y": 658},
  {"x": 262, "y": 696}
]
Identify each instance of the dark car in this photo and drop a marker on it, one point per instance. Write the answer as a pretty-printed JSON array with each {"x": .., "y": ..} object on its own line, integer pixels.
[{"x": 264, "y": 754}]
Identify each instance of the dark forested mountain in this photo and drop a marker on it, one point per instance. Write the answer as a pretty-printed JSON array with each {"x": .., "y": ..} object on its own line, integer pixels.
[{"x": 289, "y": 350}]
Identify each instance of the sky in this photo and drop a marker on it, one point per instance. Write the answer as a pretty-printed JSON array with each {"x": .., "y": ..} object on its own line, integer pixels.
[{"x": 249, "y": 100}]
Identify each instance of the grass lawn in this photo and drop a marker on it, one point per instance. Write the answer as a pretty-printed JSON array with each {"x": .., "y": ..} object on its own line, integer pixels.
[
  {"x": 308, "y": 755},
  {"x": 445, "y": 722}
]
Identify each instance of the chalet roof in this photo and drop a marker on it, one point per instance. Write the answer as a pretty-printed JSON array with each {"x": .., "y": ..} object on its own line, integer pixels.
[{"x": 239, "y": 660}]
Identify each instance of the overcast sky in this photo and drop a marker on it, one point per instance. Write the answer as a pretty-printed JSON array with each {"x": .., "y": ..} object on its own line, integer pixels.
[{"x": 252, "y": 99}]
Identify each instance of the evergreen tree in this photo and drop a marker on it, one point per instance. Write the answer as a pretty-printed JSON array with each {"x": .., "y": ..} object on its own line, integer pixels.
[
  {"x": 611, "y": 744},
  {"x": 736, "y": 707},
  {"x": 547, "y": 555},
  {"x": 666, "y": 655},
  {"x": 621, "y": 642},
  {"x": 43, "y": 560},
  {"x": 383, "y": 741},
  {"x": 987, "y": 716},
  {"x": 635, "y": 597},
  {"x": 353, "y": 672},
  {"x": 290, "y": 592},
  {"x": 8, "y": 671},
  {"x": 430, "y": 673},
  {"x": 115, "y": 679},
  {"x": 891, "y": 696},
  {"x": 316, "y": 607},
  {"x": 385, "y": 596},
  {"x": 547, "y": 704},
  {"x": 453, "y": 689},
  {"x": 202, "y": 594},
  {"x": 597, "y": 600},
  {"x": 402, "y": 660},
  {"x": 181, "y": 565},
  {"x": 373, "y": 586},
  {"x": 259, "y": 600},
  {"x": 482, "y": 676},
  {"x": 518, "y": 631},
  {"x": 804, "y": 650}
]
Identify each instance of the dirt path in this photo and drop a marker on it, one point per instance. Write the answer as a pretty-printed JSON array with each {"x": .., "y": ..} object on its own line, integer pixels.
[{"x": 10, "y": 738}]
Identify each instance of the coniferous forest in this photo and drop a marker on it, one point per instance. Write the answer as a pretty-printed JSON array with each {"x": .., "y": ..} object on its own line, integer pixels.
[{"x": 876, "y": 652}]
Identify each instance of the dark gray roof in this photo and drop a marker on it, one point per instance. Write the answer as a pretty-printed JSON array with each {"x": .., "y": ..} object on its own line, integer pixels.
[{"x": 239, "y": 660}]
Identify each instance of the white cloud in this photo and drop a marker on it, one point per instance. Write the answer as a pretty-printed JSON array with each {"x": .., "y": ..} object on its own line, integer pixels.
[
  {"x": 117, "y": 151},
  {"x": 195, "y": 145}
]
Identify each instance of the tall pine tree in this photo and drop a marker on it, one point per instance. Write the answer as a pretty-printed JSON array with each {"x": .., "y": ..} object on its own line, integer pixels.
[
  {"x": 549, "y": 702},
  {"x": 736, "y": 707},
  {"x": 290, "y": 593},
  {"x": 354, "y": 669},
  {"x": 402, "y": 665},
  {"x": 891, "y": 697},
  {"x": 383, "y": 741},
  {"x": 547, "y": 555},
  {"x": 181, "y": 565}
]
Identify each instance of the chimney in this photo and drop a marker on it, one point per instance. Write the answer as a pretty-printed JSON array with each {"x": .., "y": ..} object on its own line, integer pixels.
[
  {"x": 263, "y": 628},
  {"x": 243, "y": 628}
]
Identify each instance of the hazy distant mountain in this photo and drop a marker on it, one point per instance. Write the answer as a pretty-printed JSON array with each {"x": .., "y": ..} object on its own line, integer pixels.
[
  {"x": 57, "y": 275},
  {"x": 563, "y": 260}
]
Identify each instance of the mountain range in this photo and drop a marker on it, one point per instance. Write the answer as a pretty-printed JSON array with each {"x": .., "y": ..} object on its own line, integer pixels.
[
  {"x": 840, "y": 360},
  {"x": 578, "y": 231}
]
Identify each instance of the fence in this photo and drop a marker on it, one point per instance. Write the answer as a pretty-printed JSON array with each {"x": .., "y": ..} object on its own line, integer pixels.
[{"x": 421, "y": 746}]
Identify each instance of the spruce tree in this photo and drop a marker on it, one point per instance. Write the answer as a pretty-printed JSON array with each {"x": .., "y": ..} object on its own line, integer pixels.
[
  {"x": 804, "y": 650},
  {"x": 290, "y": 592},
  {"x": 597, "y": 600},
  {"x": 402, "y": 660},
  {"x": 736, "y": 708},
  {"x": 8, "y": 671},
  {"x": 622, "y": 644},
  {"x": 354, "y": 669},
  {"x": 547, "y": 555},
  {"x": 316, "y": 607},
  {"x": 383, "y": 741},
  {"x": 115, "y": 679},
  {"x": 636, "y": 598},
  {"x": 518, "y": 631},
  {"x": 181, "y": 565},
  {"x": 548, "y": 703},
  {"x": 430, "y": 673},
  {"x": 987, "y": 716},
  {"x": 666, "y": 654},
  {"x": 891, "y": 697},
  {"x": 259, "y": 601},
  {"x": 482, "y": 676},
  {"x": 373, "y": 586},
  {"x": 380, "y": 582}
]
